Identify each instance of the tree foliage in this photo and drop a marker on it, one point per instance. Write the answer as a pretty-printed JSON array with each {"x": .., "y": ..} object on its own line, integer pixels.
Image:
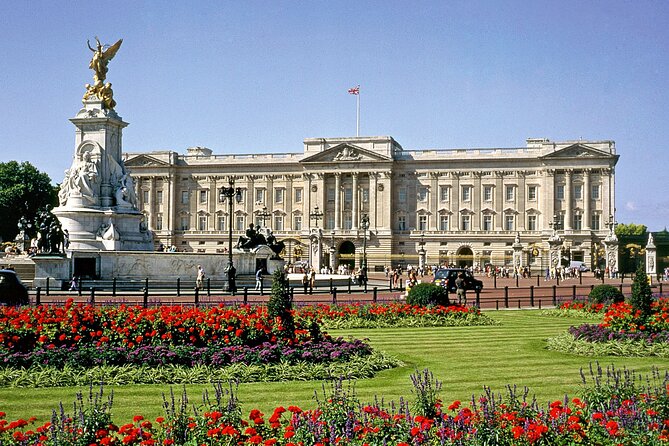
[
  {"x": 623, "y": 229},
  {"x": 425, "y": 294},
  {"x": 23, "y": 190},
  {"x": 280, "y": 303},
  {"x": 642, "y": 295}
]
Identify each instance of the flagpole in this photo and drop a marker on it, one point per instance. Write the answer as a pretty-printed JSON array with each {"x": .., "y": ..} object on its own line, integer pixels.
[{"x": 357, "y": 122}]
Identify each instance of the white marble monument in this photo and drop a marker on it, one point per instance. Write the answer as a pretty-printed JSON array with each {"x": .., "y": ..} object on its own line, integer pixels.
[{"x": 98, "y": 205}]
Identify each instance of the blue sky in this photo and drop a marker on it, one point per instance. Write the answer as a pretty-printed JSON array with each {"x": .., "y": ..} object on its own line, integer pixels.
[{"x": 260, "y": 76}]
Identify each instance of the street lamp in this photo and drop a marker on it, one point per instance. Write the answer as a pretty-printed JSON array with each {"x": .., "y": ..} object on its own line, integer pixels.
[
  {"x": 421, "y": 252},
  {"x": 264, "y": 215},
  {"x": 364, "y": 224},
  {"x": 316, "y": 215},
  {"x": 223, "y": 194},
  {"x": 332, "y": 250}
]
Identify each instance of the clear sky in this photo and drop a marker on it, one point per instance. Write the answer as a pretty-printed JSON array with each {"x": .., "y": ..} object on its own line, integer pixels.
[{"x": 260, "y": 76}]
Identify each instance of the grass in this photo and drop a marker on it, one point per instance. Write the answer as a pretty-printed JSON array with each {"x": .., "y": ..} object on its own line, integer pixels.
[{"x": 463, "y": 358}]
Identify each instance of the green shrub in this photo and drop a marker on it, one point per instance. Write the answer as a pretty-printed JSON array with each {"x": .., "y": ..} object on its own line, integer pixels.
[
  {"x": 642, "y": 295},
  {"x": 425, "y": 294},
  {"x": 280, "y": 304},
  {"x": 605, "y": 294}
]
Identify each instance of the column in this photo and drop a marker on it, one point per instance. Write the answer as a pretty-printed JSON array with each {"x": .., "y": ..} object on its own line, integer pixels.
[
  {"x": 586, "y": 200},
  {"x": 337, "y": 216},
  {"x": 499, "y": 200},
  {"x": 211, "y": 203},
  {"x": 306, "y": 207},
  {"x": 476, "y": 223},
  {"x": 250, "y": 200},
  {"x": 547, "y": 197},
  {"x": 567, "y": 199},
  {"x": 172, "y": 200},
  {"x": 269, "y": 199},
  {"x": 521, "y": 202},
  {"x": 373, "y": 187},
  {"x": 288, "y": 203},
  {"x": 455, "y": 201},
  {"x": 151, "y": 223},
  {"x": 434, "y": 202},
  {"x": 355, "y": 209}
]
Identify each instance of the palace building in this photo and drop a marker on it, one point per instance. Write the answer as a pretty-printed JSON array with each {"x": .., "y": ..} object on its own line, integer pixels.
[{"x": 462, "y": 206}]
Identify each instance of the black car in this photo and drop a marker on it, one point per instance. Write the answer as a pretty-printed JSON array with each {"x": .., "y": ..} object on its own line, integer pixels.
[
  {"x": 12, "y": 290},
  {"x": 445, "y": 277}
]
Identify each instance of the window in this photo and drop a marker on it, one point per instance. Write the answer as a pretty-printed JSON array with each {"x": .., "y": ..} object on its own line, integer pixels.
[
  {"x": 531, "y": 222},
  {"x": 159, "y": 197},
  {"x": 202, "y": 223},
  {"x": 578, "y": 222},
  {"x": 487, "y": 223},
  {"x": 487, "y": 193},
  {"x": 221, "y": 223},
  {"x": 184, "y": 197},
  {"x": 258, "y": 221},
  {"x": 443, "y": 222},
  {"x": 240, "y": 223},
  {"x": 594, "y": 222},
  {"x": 559, "y": 192},
  {"x": 348, "y": 194},
  {"x": 145, "y": 196},
  {"x": 278, "y": 223},
  {"x": 298, "y": 195},
  {"x": 243, "y": 195},
  {"x": 509, "y": 192},
  {"x": 402, "y": 194},
  {"x": 203, "y": 196},
  {"x": 422, "y": 222},
  {"x": 466, "y": 193},
  {"x": 183, "y": 224},
  {"x": 422, "y": 193},
  {"x": 402, "y": 223},
  {"x": 594, "y": 192},
  {"x": 159, "y": 222},
  {"x": 329, "y": 220},
  {"x": 348, "y": 220},
  {"x": 443, "y": 193},
  {"x": 465, "y": 222},
  {"x": 509, "y": 222},
  {"x": 278, "y": 195},
  {"x": 331, "y": 193},
  {"x": 297, "y": 222},
  {"x": 260, "y": 195},
  {"x": 532, "y": 193},
  {"x": 365, "y": 195},
  {"x": 578, "y": 191}
]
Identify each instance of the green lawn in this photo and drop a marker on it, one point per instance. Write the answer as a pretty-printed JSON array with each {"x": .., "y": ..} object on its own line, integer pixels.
[{"x": 463, "y": 358}]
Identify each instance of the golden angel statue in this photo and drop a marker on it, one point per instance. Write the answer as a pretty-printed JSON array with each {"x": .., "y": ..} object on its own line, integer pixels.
[{"x": 101, "y": 58}]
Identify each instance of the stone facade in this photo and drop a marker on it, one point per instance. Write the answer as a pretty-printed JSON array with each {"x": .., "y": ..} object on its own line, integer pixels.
[{"x": 464, "y": 206}]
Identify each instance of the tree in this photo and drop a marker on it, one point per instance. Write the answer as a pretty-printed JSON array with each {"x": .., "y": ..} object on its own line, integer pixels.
[
  {"x": 23, "y": 190},
  {"x": 623, "y": 229},
  {"x": 280, "y": 304},
  {"x": 642, "y": 295}
]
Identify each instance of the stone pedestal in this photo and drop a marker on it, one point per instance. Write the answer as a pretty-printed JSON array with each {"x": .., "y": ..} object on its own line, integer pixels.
[
  {"x": 517, "y": 253},
  {"x": 316, "y": 248},
  {"x": 98, "y": 203},
  {"x": 554, "y": 252},
  {"x": 611, "y": 249},
  {"x": 422, "y": 258},
  {"x": 651, "y": 257}
]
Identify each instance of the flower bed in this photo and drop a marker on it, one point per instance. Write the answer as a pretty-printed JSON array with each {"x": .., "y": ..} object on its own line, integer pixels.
[
  {"x": 624, "y": 331},
  {"x": 68, "y": 344},
  {"x": 390, "y": 315},
  {"x": 613, "y": 411},
  {"x": 579, "y": 309}
]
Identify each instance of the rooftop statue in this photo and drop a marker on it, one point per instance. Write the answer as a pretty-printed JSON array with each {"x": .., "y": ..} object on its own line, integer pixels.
[{"x": 102, "y": 54}]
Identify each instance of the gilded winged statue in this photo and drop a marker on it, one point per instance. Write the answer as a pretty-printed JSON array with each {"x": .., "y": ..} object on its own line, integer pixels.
[
  {"x": 101, "y": 58},
  {"x": 102, "y": 54}
]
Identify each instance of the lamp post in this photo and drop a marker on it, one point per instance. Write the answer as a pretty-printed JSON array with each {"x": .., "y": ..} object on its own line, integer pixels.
[
  {"x": 421, "y": 252},
  {"x": 223, "y": 194},
  {"x": 364, "y": 224},
  {"x": 316, "y": 215},
  {"x": 332, "y": 250},
  {"x": 264, "y": 215}
]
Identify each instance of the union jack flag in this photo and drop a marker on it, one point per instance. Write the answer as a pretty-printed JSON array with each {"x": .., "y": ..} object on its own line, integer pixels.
[{"x": 354, "y": 90}]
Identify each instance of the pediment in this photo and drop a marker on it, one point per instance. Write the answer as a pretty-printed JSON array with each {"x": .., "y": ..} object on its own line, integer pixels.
[
  {"x": 577, "y": 151},
  {"x": 144, "y": 161},
  {"x": 344, "y": 153}
]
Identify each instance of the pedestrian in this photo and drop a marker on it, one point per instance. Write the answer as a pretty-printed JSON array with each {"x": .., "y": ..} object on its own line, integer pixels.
[
  {"x": 461, "y": 289},
  {"x": 259, "y": 279},
  {"x": 74, "y": 284},
  {"x": 199, "y": 280},
  {"x": 312, "y": 278}
]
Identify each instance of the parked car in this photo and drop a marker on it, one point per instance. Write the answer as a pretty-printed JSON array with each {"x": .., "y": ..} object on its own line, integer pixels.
[
  {"x": 445, "y": 277},
  {"x": 579, "y": 265},
  {"x": 12, "y": 290}
]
